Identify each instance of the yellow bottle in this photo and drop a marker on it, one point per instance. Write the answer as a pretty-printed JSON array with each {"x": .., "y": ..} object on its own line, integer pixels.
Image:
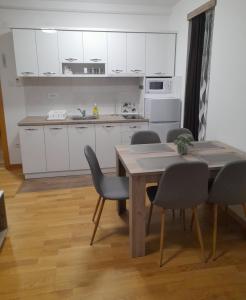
[{"x": 95, "y": 111}]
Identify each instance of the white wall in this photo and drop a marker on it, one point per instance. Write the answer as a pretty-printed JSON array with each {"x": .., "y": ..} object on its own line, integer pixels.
[
  {"x": 20, "y": 98},
  {"x": 227, "y": 100},
  {"x": 227, "y": 97}
]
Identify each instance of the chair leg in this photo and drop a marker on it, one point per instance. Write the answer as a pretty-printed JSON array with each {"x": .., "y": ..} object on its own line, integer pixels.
[
  {"x": 184, "y": 219},
  {"x": 199, "y": 233},
  {"x": 162, "y": 234},
  {"x": 192, "y": 220},
  {"x": 215, "y": 230},
  {"x": 173, "y": 214},
  {"x": 149, "y": 218},
  {"x": 95, "y": 212},
  {"x": 97, "y": 221},
  {"x": 244, "y": 208}
]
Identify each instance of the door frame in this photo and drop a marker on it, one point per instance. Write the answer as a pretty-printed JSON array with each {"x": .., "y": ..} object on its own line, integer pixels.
[{"x": 4, "y": 140}]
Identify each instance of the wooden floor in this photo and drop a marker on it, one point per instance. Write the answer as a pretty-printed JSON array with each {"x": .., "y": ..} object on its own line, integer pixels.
[{"x": 47, "y": 253}]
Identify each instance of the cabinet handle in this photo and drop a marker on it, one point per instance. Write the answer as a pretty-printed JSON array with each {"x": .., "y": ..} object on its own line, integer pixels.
[
  {"x": 82, "y": 127},
  {"x": 49, "y": 73},
  {"x": 27, "y": 73},
  {"x": 31, "y": 129},
  {"x": 160, "y": 73},
  {"x": 95, "y": 59},
  {"x": 117, "y": 71},
  {"x": 56, "y": 128},
  {"x": 136, "y": 71},
  {"x": 133, "y": 127},
  {"x": 71, "y": 59},
  {"x": 108, "y": 126}
]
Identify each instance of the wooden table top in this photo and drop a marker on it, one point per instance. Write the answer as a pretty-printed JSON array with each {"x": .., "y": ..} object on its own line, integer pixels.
[{"x": 155, "y": 158}]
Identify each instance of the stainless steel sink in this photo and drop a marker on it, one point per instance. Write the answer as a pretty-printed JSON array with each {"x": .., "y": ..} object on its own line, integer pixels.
[{"x": 77, "y": 118}]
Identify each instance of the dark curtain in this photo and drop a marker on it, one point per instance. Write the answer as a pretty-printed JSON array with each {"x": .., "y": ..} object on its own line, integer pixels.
[{"x": 193, "y": 78}]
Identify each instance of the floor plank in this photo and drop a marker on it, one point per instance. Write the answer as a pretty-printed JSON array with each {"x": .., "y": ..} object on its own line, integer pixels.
[{"x": 47, "y": 255}]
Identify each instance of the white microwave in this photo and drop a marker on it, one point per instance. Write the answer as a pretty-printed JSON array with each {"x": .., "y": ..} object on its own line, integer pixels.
[{"x": 159, "y": 86}]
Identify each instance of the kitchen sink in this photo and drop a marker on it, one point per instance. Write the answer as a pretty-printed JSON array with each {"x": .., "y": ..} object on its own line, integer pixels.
[{"x": 77, "y": 118}]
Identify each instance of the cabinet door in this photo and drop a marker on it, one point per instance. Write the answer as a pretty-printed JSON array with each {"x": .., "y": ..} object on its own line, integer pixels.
[
  {"x": 128, "y": 130},
  {"x": 79, "y": 136},
  {"x": 25, "y": 52},
  {"x": 107, "y": 136},
  {"x": 116, "y": 53},
  {"x": 95, "y": 47},
  {"x": 136, "y": 53},
  {"x": 70, "y": 46},
  {"x": 160, "y": 54},
  {"x": 32, "y": 149},
  {"x": 47, "y": 50},
  {"x": 56, "y": 145}
]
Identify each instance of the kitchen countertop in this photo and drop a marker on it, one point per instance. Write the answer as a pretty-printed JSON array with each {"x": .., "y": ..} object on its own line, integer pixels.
[{"x": 42, "y": 120}]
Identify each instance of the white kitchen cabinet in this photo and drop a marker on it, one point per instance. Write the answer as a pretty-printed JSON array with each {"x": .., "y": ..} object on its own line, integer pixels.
[
  {"x": 107, "y": 136},
  {"x": 127, "y": 131},
  {"x": 80, "y": 136},
  {"x": 95, "y": 47},
  {"x": 47, "y": 51},
  {"x": 70, "y": 45},
  {"x": 25, "y": 52},
  {"x": 160, "y": 54},
  {"x": 116, "y": 53},
  {"x": 32, "y": 149},
  {"x": 56, "y": 146},
  {"x": 135, "y": 53}
]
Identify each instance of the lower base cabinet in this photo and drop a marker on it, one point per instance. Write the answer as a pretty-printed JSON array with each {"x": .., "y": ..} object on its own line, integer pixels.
[
  {"x": 56, "y": 148},
  {"x": 33, "y": 149},
  {"x": 79, "y": 136},
  {"x": 107, "y": 136},
  {"x": 60, "y": 148}
]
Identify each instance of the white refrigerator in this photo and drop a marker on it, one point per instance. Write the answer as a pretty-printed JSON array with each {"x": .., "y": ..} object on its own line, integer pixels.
[{"x": 164, "y": 114}]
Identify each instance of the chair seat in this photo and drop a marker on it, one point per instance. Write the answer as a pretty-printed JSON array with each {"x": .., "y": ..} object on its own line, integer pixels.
[
  {"x": 151, "y": 192},
  {"x": 115, "y": 188}
]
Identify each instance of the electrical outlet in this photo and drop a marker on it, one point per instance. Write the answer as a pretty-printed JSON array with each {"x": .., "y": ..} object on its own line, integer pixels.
[{"x": 52, "y": 96}]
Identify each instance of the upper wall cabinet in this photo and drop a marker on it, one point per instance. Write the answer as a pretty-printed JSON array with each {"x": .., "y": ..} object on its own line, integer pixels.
[
  {"x": 47, "y": 51},
  {"x": 95, "y": 47},
  {"x": 25, "y": 52},
  {"x": 70, "y": 46},
  {"x": 116, "y": 53},
  {"x": 160, "y": 54},
  {"x": 135, "y": 53}
]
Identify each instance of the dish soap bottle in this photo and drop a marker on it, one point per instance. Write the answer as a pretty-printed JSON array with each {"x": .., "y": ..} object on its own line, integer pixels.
[{"x": 95, "y": 111}]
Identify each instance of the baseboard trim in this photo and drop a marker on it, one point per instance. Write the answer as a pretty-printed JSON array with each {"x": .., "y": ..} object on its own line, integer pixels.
[{"x": 63, "y": 173}]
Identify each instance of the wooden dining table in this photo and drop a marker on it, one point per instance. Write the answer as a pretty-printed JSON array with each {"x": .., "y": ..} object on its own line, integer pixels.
[{"x": 146, "y": 163}]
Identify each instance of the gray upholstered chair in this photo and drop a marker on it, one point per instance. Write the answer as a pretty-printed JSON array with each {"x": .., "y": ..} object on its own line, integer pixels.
[
  {"x": 182, "y": 186},
  {"x": 229, "y": 188},
  {"x": 145, "y": 137},
  {"x": 174, "y": 133},
  {"x": 108, "y": 187}
]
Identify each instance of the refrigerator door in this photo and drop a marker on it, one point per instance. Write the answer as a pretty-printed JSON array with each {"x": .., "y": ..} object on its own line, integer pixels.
[
  {"x": 163, "y": 128},
  {"x": 163, "y": 110}
]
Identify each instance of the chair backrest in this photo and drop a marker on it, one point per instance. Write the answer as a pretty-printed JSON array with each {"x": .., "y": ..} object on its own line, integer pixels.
[
  {"x": 96, "y": 171},
  {"x": 174, "y": 133},
  {"x": 229, "y": 186},
  {"x": 183, "y": 185},
  {"x": 145, "y": 137}
]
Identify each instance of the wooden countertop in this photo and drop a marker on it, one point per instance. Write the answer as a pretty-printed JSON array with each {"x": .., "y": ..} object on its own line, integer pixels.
[{"x": 42, "y": 120}]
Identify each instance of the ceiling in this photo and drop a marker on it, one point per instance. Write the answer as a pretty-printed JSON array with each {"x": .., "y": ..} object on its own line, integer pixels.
[{"x": 144, "y": 7}]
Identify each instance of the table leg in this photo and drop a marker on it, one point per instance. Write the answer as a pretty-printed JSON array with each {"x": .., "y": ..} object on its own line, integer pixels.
[
  {"x": 137, "y": 216},
  {"x": 120, "y": 171}
]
